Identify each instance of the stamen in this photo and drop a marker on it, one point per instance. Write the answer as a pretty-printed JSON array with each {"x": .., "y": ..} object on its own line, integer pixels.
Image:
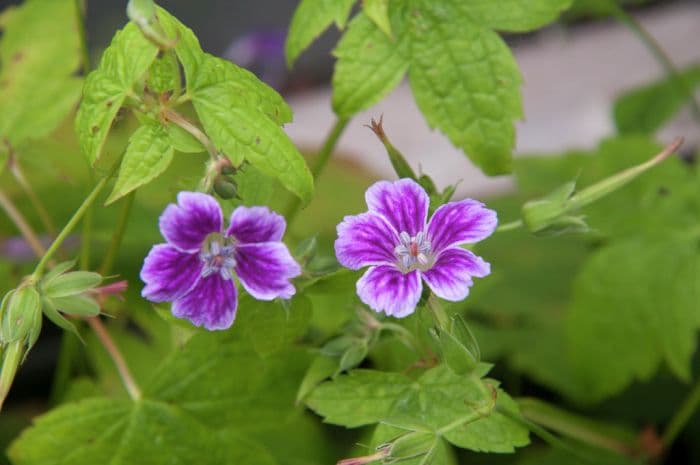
[
  {"x": 414, "y": 252},
  {"x": 218, "y": 255}
]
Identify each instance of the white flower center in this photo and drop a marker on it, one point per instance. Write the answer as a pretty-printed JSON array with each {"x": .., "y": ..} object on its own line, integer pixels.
[
  {"x": 218, "y": 256},
  {"x": 414, "y": 253}
]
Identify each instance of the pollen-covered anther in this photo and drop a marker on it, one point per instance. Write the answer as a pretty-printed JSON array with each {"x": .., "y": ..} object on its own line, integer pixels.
[{"x": 413, "y": 252}]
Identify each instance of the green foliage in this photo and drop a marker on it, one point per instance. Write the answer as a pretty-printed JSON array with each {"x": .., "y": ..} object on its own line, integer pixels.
[
  {"x": 648, "y": 108},
  {"x": 439, "y": 401},
  {"x": 378, "y": 11},
  {"x": 123, "y": 64},
  {"x": 147, "y": 156},
  {"x": 37, "y": 91},
  {"x": 310, "y": 19}
]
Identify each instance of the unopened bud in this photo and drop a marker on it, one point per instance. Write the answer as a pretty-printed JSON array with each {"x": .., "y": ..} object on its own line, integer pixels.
[
  {"x": 72, "y": 283},
  {"x": 21, "y": 319},
  {"x": 225, "y": 187}
]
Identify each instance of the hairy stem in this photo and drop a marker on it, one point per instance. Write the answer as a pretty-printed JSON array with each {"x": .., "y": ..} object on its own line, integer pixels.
[
  {"x": 124, "y": 373},
  {"x": 21, "y": 223},
  {"x": 319, "y": 163},
  {"x": 118, "y": 234},
  {"x": 175, "y": 117},
  {"x": 682, "y": 416},
  {"x": 659, "y": 54}
]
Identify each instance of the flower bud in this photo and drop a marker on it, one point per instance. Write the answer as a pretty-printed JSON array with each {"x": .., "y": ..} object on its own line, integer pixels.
[
  {"x": 21, "y": 318},
  {"x": 69, "y": 284},
  {"x": 412, "y": 445},
  {"x": 225, "y": 187},
  {"x": 353, "y": 355}
]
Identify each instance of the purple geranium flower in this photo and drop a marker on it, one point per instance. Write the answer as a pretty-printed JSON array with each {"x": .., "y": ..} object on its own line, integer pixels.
[
  {"x": 393, "y": 239},
  {"x": 196, "y": 267}
]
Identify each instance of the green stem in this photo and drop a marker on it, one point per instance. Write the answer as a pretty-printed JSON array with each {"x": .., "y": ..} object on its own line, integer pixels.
[
  {"x": 85, "y": 240},
  {"x": 33, "y": 198},
  {"x": 510, "y": 226},
  {"x": 319, "y": 163},
  {"x": 682, "y": 416},
  {"x": 68, "y": 228},
  {"x": 80, "y": 10},
  {"x": 659, "y": 54},
  {"x": 175, "y": 117},
  {"x": 118, "y": 234},
  {"x": 10, "y": 361}
]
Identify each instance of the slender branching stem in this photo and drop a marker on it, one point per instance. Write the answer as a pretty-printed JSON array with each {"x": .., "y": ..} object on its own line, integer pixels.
[
  {"x": 118, "y": 234},
  {"x": 509, "y": 226},
  {"x": 116, "y": 356},
  {"x": 22, "y": 225},
  {"x": 319, "y": 163}
]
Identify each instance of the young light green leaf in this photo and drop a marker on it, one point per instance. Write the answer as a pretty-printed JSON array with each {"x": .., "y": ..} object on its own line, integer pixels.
[
  {"x": 37, "y": 91},
  {"x": 615, "y": 313},
  {"x": 370, "y": 64},
  {"x": 310, "y": 19},
  {"x": 648, "y": 108},
  {"x": 147, "y": 156},
  {"x": 123, "y": 64},
  {"x": 164, "y": 74},
  {"x": 187, "y": 47},
  {"x": 473, "y": 99},
  {"x": 378, "y": 11},
  {"x": 515, "y": 15},
  {"x": 71, "y": 283}
]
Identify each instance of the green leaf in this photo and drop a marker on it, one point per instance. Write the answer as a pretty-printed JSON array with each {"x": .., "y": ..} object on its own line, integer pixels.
[
  {"x": 466, "y": 82},
  {"x": 441, "y": 453},
  {"x": 164, "y": 74},
  {"x": 361, "y": 397},
  {"x": 183, "y": 141},
  {"x": 187, "y": 47},
  {"x": 310, "y": 19},
  {"x": 439, "y": 399},
  {"x": 378, "y": 11},
  {"x": 516, "y": 15},
  {"x": 370, "y": 64},
  {"x": 123, "y": 64},
  {"x": 648, "y": 108},
  {"x": 37, "y": 91},
  {"x": 147, "y": 156},
  {"x": 243, "y": 123},
  {"x": 634, "y": 306}
]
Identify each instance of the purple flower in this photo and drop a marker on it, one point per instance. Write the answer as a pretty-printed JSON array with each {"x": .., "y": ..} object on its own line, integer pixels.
[
  {"x": 195, "y": 269},
  {"x": 398, "y": 244}
]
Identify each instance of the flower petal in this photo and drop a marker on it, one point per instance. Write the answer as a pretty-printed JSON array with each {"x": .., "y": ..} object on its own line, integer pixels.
[
  {"x": 403, "y": 203},
  {"x": 188, "y": 223},
  {"x": 385, "y": 289},
  {"x": 169, "y": 273},
  {"x": 256, "y": 224},
  {"x": 460, "y": 222},
  {"x": 365, "y": 239},
  {"x": 451, "y": 276},
  {"x": 265, "y": 270},
  {"x": 211, "y": 303}
]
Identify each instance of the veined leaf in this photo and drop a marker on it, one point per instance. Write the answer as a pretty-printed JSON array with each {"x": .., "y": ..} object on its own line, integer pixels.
[
  {"x": 37, "y": 91},
  {"x": 148, "y": 154},
  {"x": 466, "y": 82},
  {"x": 516, "y": 15},
  {"x": 123, "y": 64},
  {"x": 378, "y": 11},
  {"x": 370, "y": 64},
  {"x": 310, "y": 19}
]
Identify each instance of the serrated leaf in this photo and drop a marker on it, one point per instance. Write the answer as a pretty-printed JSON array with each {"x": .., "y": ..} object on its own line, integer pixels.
[
  {"x": 147, "y": 156},
  {"x": 164, "y": 74},
  {"x": 37, "y": 91},
  {"x": 310, "y": 19},
  {"x": 648, "y": 108},
  {"x": 378, "y": 11},
  {"x": 516, "y": 15},
  {"x": 466, "y": 82},
  {"x": 370, "y": 64},
  {"x": 123, "y": 64},
  {"x": 635, "y": 306},
  {"x": 438, "y": 399}
]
